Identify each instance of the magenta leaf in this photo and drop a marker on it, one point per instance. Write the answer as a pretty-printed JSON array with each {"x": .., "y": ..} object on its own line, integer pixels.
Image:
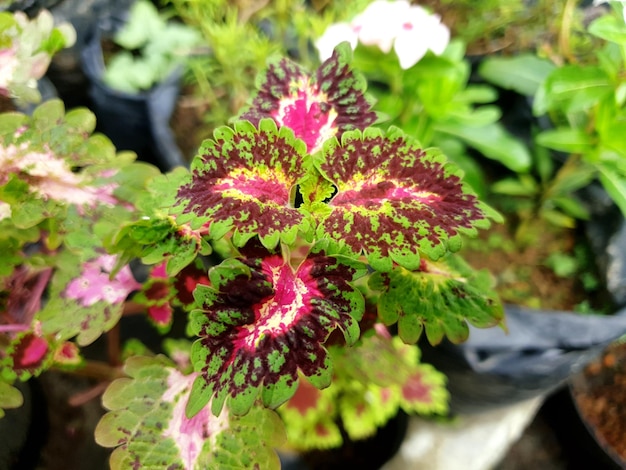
[
  {"x": 162, "y": 292},
  {"x": 245, "y": 180},
  {"x": 316, "y": 107},
  {"x": 394, "y": 200},
  {"x": 148, "y": 427},
  {"x": 441, "y": 298},
  {"x": 261, "y": 321},
  {"x": 27, "y": 355}
]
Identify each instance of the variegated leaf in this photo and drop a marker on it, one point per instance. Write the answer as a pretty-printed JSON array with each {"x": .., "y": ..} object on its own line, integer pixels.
[
  {"x": 394, "y": 200},
  {"x": 440, "y": 298},
  {"x": 149, "y": 429},
  {"x": 317, "y": 106},
  {"x": 261, "y": 321},
  {"x": 245, "y": 180}
]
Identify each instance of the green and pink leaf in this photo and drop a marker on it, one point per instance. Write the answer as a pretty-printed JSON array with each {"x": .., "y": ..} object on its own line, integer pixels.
[
  {"x": 244, "y": 181},
  {"x": 148, "y": 427},
  {"x": 262, "y": 322},
  {"x": 318, "y": 106},
  {"x": 394, "y": 200}
]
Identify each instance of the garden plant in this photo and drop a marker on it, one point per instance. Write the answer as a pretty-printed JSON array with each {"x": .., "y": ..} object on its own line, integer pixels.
[{"x": 308, "y": 247}]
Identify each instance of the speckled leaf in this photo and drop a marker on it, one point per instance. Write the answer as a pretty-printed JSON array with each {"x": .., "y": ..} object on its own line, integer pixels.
[
  {"x": 310, "y": 417},
  {"x": 244, "y": 179},
  {"x": 373, "y": 381},
  {"x": 440, "y": 298},
  {"x": 318, "y": 106},
  {"x": 395, "y": 200},
  {"x": 148, "y": 426},
  {"x": 261, "y": 321}
]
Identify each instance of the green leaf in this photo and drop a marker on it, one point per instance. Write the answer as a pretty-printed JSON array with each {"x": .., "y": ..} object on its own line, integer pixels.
[
  {"x": 149, "y": 429},
  {"x": 566, "y": 139},
  {"x": 440, "y": 298},
  {"x": 522, "y": 73},
  {"x": 523, "y": 186},
  {"x": 614, "y": 183},
  {"x": 609, "y": 28},
  {"x": 10, "y": 397},
  {"x": 494, "y": 142},
  {"x": 572, "y": 88}
]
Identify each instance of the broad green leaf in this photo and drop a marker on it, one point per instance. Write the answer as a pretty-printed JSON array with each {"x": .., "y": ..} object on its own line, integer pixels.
[
  {"x": 148, "y": 427},
  {"x": 440, "y": 298},
  {"x": 494, "y": 142},
  {"x": 573, "y": 88},
  {"x": 10, "y": 397},
  {"x": 522, "y": 73},
  {"x": 609, "y": 28}
]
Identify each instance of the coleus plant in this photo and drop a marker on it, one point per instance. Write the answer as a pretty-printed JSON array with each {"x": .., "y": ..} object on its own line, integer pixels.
[{"x": 307, "y": 248}]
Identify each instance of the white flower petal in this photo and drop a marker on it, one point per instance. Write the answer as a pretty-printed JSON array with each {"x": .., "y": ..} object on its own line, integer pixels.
[
  {"x": 334, "y": 35},
  {"x": 380, "y": 23},
  {"x": 409, "y": 49}
]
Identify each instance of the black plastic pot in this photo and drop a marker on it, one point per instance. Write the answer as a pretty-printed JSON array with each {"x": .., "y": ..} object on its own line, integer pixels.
[{"x": 137, "y": 122}]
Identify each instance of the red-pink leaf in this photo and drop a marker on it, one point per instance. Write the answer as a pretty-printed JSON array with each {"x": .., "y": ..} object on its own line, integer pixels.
[
  {"x": 261, "y": 322},
  {"x": 316, "y": 107}
]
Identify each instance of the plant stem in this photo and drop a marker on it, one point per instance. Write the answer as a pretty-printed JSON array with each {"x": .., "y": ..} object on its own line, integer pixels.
[
  {"x": 566, "y": 29},
  {"x": 98, "y": 370}
]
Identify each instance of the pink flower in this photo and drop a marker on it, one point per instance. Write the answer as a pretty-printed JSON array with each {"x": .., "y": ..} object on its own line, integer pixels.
[{"x": 95, "y": 285}]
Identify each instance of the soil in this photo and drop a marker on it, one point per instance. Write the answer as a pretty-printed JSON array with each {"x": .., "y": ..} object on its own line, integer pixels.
[
  {"x": 187, "y": 122},
  {"x": 521, "y": 271},
  {"x": 600, "y": 396}
]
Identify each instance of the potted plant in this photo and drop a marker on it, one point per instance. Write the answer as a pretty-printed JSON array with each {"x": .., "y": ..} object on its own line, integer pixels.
[
  {"x": 135, "y": 80},
  {"x": 294, "y": 236},
  {"x": 439, "y": 99}
]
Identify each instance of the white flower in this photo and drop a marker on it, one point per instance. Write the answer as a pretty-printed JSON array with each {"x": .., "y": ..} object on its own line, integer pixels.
[
  {"x": 335, "y": 34},
  {"x": 410, "y": 30},
  {"x": 8, "y": 65},
  {"x": 380, "y": 23},
  {"x": 420, "y": 33}
]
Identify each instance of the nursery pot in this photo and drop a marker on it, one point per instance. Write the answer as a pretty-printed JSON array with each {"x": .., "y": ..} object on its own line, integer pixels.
[
  {"x": 599, "y": 396},
  {"x": 133, "y": 121}
]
